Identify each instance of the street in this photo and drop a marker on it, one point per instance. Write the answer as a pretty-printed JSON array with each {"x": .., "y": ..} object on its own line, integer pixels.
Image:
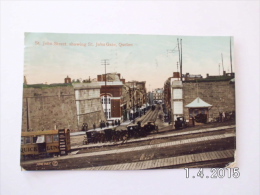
[{"x": 209, "y": 145}]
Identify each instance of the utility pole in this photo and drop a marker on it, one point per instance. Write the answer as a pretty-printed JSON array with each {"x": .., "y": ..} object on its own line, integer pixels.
[
  {"x": 178, "y": 69},
  {"x": 180, "y": 55},
  {"x": 105, "y": 63},
  {"x": 222, "y": 61},
  {"x": 133, "y": 99},
  {"x": 230, "y": 56},
  {"x": 27, "y": 112}
]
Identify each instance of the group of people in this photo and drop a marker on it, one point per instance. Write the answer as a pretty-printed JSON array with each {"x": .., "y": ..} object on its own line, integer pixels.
[
  {"x": 102, "y": 124},
  {"x": 226, "y": 116},
  {"x": 117, "y": 122},
  {"x": 84, "y": 127}
]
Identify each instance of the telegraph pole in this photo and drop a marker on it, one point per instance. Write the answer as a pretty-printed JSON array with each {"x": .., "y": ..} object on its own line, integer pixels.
[
  {"x": 222, "y": 61},
  {"x": 180, "y": 55},
  {"x": 105, "y": 63}
]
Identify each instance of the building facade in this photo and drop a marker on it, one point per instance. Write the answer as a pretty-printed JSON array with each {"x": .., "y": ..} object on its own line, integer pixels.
[
  {"x": 138, "y": 98},
  {"x": 216, "y": 91},
  {"x": 158, "y": 95},
  {"x": 111, "y": 95},
  {"x": 88, "y": 105}
]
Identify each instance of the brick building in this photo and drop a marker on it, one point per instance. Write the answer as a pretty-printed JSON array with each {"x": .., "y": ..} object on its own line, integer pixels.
[{"x": 111, "y": 95}]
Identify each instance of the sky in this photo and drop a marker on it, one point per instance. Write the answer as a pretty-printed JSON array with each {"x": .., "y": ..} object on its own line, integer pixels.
[{"x": 50, "y": 57}]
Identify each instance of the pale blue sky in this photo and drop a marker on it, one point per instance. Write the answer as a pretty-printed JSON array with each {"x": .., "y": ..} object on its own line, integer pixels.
[{"x": 146, "y": 60}]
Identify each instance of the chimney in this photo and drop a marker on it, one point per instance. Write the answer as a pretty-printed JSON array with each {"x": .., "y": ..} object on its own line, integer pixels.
[
  {"x": 176, "y": 75},
  {"x": 67, "y": 80},
  {"x": 123, "y": 81}
]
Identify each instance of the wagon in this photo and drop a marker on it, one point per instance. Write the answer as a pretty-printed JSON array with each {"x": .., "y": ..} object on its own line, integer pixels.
[
  {"x": 180, "y": 123},
  {"x": 150, "y": 126}
]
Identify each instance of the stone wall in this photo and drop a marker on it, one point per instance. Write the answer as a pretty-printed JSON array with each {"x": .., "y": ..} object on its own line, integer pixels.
[
  {"x": 47, "y": 108},
  {"x": 58, "y": 107},
  {"x": 220, "y": 94}
]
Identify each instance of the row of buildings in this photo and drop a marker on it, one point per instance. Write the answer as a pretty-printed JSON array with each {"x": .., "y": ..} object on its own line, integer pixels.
[
  {"x": 73, "y": 103},
  {"x": 195, "y": 95},
  {"x": 155, "y": 96}
]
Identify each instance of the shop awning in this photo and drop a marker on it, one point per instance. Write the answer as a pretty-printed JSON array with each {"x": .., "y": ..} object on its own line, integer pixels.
[{"x": 198, "y": 103}]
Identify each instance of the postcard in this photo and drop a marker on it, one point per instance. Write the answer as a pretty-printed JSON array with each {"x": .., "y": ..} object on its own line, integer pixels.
[{"x": 128, "y": 102}]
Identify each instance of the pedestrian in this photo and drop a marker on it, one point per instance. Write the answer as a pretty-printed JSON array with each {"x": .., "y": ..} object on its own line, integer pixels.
[
  {"x": 107, "y": 124},
  {"x": 139, "y": 124},
  {"x": 119, "y": 122},
  {"x": 101, "y": 125},
  {"x": 83, "y": 127},
  {"x": 223, "y": 116},
  {"x": 193, "y": 121},
  {"x": 113, "y": 123},
  {"x": 86, "y": 126},
  {"x": 94, "y": 126},
  {"x": 116, "y": 122},
  {"x": 220, "y": 117}
]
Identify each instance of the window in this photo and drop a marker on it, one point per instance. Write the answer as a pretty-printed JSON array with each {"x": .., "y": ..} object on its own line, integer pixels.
[
  {"x": 56, "y": 138},
  {"x": 48, "y": 139},
  {"x": 34, "y": 139},
  {"x": 22, "y": 140},
  {"x": 27, "y": 140}
]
